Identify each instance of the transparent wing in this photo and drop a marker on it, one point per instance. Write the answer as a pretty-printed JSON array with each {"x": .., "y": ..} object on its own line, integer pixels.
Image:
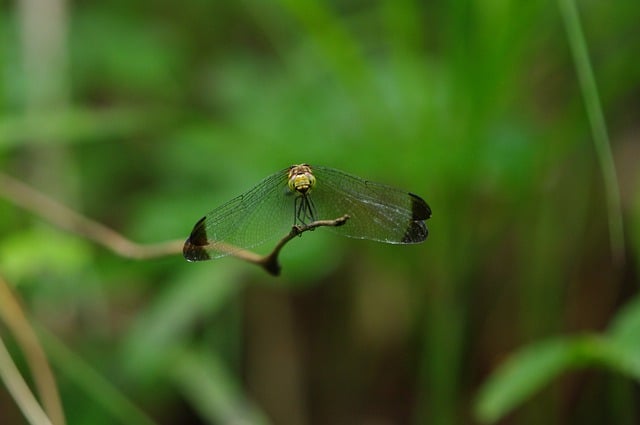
[
  {"x": 258, "y": 215},
  {"x": 377, "y": 212}
]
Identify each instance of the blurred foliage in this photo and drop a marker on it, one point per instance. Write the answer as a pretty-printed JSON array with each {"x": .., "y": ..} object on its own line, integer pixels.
[
  {"x": 146, "y": 115},
  {"x": 534, "y": 366}
]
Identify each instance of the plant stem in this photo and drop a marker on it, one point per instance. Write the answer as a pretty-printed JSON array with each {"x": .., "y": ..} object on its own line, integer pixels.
[{"x": 595, "y": 115}]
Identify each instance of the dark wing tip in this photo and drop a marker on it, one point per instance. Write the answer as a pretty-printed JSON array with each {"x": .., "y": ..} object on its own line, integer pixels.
[
  {"x": 194, "y": 246},
  {"x": 419, "y": 208},
  {"x": 194, "y": 252},
  {"x": 416, "y": 232}
]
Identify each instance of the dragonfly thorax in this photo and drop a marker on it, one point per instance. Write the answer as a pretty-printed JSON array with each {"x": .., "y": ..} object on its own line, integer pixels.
[{"x": 301, "y": 179}]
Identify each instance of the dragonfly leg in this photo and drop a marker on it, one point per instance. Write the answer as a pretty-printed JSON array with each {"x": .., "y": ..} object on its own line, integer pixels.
[
  {"x": 304, "y": 210},
  {"x": 298, "y": 211},
  {"x": 311, "y": 209}
]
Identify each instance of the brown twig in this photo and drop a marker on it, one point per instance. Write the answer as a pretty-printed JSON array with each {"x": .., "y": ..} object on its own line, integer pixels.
[
  {"x": 270, "y": 261},
  {"x": 198, "y": 247},
  {"x": 66, "y": 218},
  {"x": 31, "y": 200}
]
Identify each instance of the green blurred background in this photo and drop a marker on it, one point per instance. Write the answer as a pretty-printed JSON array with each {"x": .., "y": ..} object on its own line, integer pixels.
[{"x": 146, "y": 115}]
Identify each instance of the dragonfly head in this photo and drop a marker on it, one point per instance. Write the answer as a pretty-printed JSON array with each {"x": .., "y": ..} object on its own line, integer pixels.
[{"x": 301, "y": 179}]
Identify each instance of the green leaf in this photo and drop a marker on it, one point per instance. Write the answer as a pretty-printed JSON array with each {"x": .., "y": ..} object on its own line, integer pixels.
[
  {"x": 625, "y": 327},
  {"x": 537, "y": 365},
  {"x": 521, "y": 376}
]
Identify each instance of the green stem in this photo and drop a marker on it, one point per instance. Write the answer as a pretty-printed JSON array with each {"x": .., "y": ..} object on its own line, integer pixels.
[
  {"x": 93, "y": 384},
  {"x": 595, "y": 115}
]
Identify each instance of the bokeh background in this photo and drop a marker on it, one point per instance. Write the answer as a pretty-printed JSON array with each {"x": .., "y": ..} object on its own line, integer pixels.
[{"x": 145, "y": 115}]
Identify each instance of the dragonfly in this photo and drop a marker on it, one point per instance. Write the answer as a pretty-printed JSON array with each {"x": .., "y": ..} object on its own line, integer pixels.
[{"x": 301, "y": 195}]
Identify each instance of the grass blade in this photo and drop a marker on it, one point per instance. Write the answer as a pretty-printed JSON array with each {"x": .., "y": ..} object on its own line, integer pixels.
[{"x": 578, "y": 47}]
